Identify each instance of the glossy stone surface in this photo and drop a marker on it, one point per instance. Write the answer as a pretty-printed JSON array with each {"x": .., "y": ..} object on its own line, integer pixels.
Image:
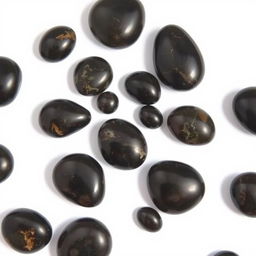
[
  {"x": 57, "y": 43},
  {"x": 226, "y": 253},
  {"x": 6, "y": 163},
  {"x": 80, "y": 178},
  {"x": 175, "y": 187},
  {"x": 178, "y": 61},
  {"x": 10, "y": 80},
  {"x": 92, "y": 76},
  {"x": 243, "y": 193},
  {"x": 59, "y": 118},
  {"x": 107, "y": 102},
  {"x": 244, "y": 106},
  {"x": 143, "y": 87},
  {"x": 85, "y": 237},
  {"x": 151, "y": 117},
  {"x": 122, "y": 144},
  {"x": 116, "y": 23},
  {"x": 149, "y": 219},
  {"x": 26, "y": 231},
  {"x": 191, "y": 125}
]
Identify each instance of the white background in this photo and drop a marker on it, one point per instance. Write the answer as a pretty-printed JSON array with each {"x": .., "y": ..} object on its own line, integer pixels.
[{"x": 225, "y": 31}]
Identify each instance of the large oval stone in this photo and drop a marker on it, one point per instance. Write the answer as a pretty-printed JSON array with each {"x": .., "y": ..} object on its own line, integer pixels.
[
  {"x": 191, "y": 125},
  {"x": 122, "y": 144},
  {"x": 178, "y": 61},
  {"x": 80, "y": 178},
  {"x": 85, "y": 237},
  {"x": 175, "y": 187}
]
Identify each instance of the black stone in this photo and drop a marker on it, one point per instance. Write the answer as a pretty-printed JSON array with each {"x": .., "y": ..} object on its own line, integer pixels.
[
  {"x": 143, "y": 87},
  {"x": 85, "y": 237},
  {"x": 244, "y": 106},
  {"x": 178, "y": 61},
  {"x": 149, "y": 219},
  {"x": 116, "y": 23},
  {"x": 26, "y": 231},
  {"x": 122, "y": 144},
  {"x": 57, "y": 43},
  {"x": 107, "y": 102},
  {"x": 243, "y": 193},
  {"x": 226, "y": 253},
  {"x": 80, "y": 179},
  {"x": 151, "y": 117},
  {"x": 92, "y": 76},
  {"x": 10, "y": 80},
  {"x": 191, "y": 125},
  {"x": 175, "y": 187},
  {"x": 59, "y": 118},
  {"x": 6, "y": 163}
]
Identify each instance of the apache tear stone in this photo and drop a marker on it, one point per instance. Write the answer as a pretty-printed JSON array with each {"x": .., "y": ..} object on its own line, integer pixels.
[
  {"x": 151, "y": 117},
  {"x": 6, "y": 163},
  {"x": 107, "y": 102}
]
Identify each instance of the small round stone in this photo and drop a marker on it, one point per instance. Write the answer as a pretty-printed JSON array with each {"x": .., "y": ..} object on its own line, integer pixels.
[
  {"x": 243, "y": 193},
  {"x": 226, "y": 253},
  {"x": 107, "y": 102},
  {"x": 92, "y": 76},
  {"x": 6, "y": 163},
  {"x": 57, "y": 43},
  {"x": 151, "y": 117},
  {"x": 149, "y": 219}
]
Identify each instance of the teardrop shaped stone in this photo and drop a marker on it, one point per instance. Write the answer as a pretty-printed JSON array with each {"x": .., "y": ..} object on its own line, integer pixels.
[
  {"x": 191, "y": 125},
  {"x": 85, "y": 237},
  {"x": 10, "y": 80},
  {"x": 59, "y": 118},
  {"x": 175, "y": 187},
  {"x": 80, "y": 178},
  {"x": 122, "y": 144},
  {"x": 178, "y": 61},
  {"x": 244, "y": 106}
]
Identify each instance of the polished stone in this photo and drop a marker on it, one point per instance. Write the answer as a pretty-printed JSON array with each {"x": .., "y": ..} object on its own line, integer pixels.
[
  {"x": 226, "y": 253},
  {"x": 151, "y": 117},
  {"x": 107, "y": 102},
  {"x": 6, "y": 163}
]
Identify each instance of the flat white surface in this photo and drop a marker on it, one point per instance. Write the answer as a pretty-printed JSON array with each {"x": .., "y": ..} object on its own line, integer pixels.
[{"x": 225, "y": 33}]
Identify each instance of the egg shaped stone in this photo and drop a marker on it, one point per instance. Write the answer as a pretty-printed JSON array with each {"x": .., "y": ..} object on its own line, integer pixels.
[
  {"x": 107, "y": 102},
  {"x": 151, "y": 117},
  {"x": 6, "y": 163}
]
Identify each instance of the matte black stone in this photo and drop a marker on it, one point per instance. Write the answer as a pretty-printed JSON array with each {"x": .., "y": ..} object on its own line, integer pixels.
[
  {"x": 10, "y": 80},
  {"x": 116, "y": 23},
  {"x": 26, "y": 231},
  {"x": 92, "y": 76},
  {"x": 143, "y": 87},
  {"x": 244, "y": 106},
  {"x": 178, "y": 61},
  {"x": 80, "y": 178},
  {"x": 122, "y": 144},
  {"x": 59, "y": 118},
  {"x": 57, "y": 43},
  {"x": 191, "y": 125},
  {"x": 151, "y": 117},
  {"x": 149, "y": 219},
  {"x": 175, "y": 187},
  {"x": 85, "y": 237},
  {"x": 6, "y": 163},
  {"x": 107, "y": 102},
  {"x": 226, "y": 253},
  {"x": 243, "y": 193}
]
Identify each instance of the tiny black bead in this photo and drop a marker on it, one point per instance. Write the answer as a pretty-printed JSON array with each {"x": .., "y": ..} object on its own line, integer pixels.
[
  {"x": 107, "y": 102},
  {"x": 6, "y": 163},
  {"x": 151, "y": 117}
]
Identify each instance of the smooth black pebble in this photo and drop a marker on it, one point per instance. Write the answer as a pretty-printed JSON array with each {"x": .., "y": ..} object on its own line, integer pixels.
[
  {"x": 10, "y": 80},
  {"x": 122, "y": 144},
  {"x": 80, "y": 178},
  {"x": 151, "y": 117},
  {"x": 26, "y": 230},
  {"x": 244, "y": 106},
  {"x": 143, "y": 87},
  {"x": 175, "y": 187},
  {"x": 178, "y": 61},
  {"x": 149, "y": 219},
  {"x": 85, "y": 237},
  {"x": 226, "y": 253},
  {"x": 92, "y": 76},
  {"x": 107, "y": 102},
  {"x": 116, "y": 23},
  {"x": 6, "y": 163},
  {"x": 57, "y": 43},
  {"x": 243, "y": 193},
  {"x": 59, "y": 118},
  {"x": 191, "y": 125}
]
